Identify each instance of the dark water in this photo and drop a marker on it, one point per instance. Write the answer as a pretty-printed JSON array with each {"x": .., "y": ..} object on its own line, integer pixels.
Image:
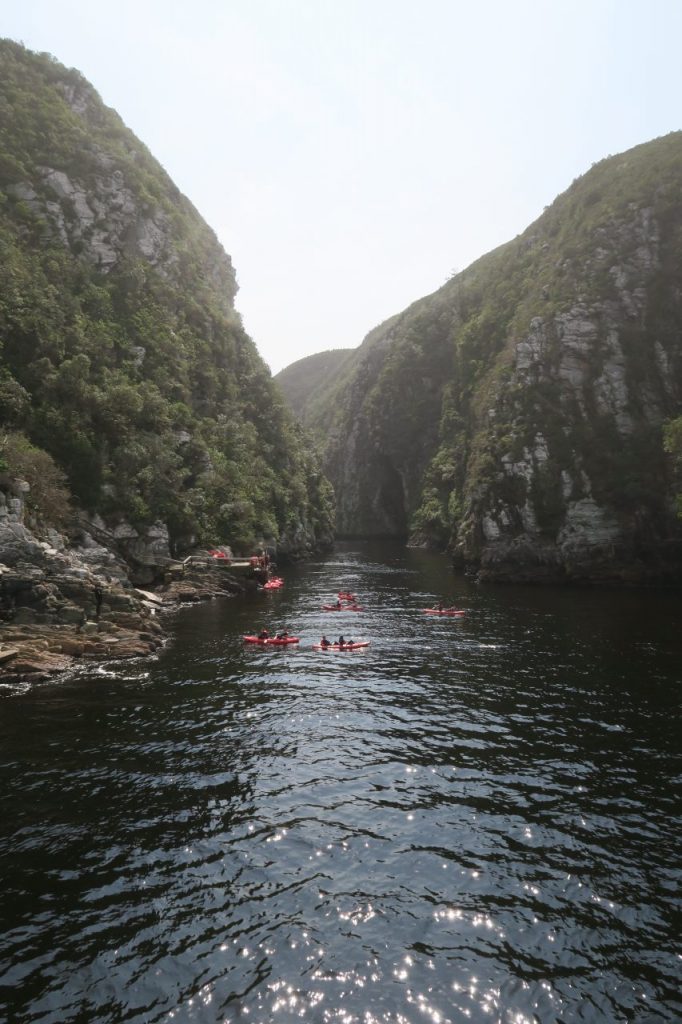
[{"x": 471, "y": 820}]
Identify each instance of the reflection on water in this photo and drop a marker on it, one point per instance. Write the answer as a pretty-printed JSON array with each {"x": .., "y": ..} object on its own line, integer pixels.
[{"x": 471, "y": 819}]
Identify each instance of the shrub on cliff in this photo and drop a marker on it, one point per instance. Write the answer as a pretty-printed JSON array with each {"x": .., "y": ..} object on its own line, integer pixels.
[{"x": 49, "y": 498}]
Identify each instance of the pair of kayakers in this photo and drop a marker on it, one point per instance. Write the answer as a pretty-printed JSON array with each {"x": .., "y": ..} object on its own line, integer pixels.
[
  {"x": 265, "y": 635},
  {"x": 341, "y": 642}
]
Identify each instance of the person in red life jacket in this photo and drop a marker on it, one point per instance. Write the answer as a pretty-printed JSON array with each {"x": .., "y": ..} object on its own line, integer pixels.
[{"x": 324, "y": 642}]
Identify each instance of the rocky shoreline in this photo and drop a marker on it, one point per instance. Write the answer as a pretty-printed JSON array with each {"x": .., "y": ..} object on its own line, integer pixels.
[
  {"x": 71, "y": 599},
  {"x": 128, "y": 625}
]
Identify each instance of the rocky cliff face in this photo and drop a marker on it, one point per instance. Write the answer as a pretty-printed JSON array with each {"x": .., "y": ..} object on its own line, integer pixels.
[
  {"x": 91, "y": 185},
  {"x": 68, "y": 599},
  {"x": 581, "y": 490},
  {"x": 61, "y": 601},
  {"x": 121, "y": 353},
  {"x": 515, "y": 415},
  {"x": 96, "y": 212}
]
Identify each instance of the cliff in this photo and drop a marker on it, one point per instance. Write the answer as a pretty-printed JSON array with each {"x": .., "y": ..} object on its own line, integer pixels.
[
  {"x": 122, "y": 357},
  {"x": 515, "y": 416}
]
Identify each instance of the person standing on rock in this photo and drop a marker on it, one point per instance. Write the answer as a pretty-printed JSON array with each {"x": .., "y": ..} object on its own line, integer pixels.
[{"x": 99, "y": 596}]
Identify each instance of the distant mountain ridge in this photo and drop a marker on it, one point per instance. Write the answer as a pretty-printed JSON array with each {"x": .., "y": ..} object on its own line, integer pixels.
[
  {"x": 308, "y": 376},
  {"x": 121, "y": 353},
  {"x": 514, "y": 416}
]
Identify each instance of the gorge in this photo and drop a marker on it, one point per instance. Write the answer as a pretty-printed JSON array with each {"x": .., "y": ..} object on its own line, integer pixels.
[
  {"x": 469, "y": 816},
  {"x": 513, "y": 419},
  {"x": 137, "y": 420}
]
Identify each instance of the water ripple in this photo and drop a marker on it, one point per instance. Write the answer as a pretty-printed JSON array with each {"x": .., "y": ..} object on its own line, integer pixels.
[{"x": 471, "y": 819}]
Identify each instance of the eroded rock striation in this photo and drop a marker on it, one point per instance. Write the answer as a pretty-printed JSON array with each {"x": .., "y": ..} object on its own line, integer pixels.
[{"x": 515, "y": 416}]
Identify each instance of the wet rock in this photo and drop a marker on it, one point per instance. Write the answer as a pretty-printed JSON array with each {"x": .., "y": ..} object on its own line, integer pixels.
[{"x": 59, "y": 604}]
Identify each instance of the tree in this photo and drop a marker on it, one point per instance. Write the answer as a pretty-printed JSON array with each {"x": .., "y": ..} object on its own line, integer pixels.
[{"x": 49, "y": 496}]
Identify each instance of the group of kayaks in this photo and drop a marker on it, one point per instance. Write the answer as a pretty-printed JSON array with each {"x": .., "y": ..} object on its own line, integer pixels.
[{"x": 346, "y": 602}]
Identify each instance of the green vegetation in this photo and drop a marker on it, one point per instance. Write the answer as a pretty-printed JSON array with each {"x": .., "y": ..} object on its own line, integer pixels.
[
  {"x": 134, "y": 375},
  {"x": 538, "y": 377},
  {"x": 308, "y": 376},
  {"x": 672, "y": 443},
  {"x": 49, "y": 497}
]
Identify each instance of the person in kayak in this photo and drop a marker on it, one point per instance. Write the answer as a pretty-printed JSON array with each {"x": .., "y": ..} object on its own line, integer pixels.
[
  {"x": 324, "y": 642},
  {"x": 282, "y": 635},
  {"x": 263, "y": 635},
  {"x": 341, "y": 642}
]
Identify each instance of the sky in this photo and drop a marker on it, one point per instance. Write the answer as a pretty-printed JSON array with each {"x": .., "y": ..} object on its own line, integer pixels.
[{"x": 351, "y": 155}]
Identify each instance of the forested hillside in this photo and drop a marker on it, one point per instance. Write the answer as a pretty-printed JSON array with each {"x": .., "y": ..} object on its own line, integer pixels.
[
  {"x": 309, "y": 377},
  {"x": 123, "y": 364},
  {"x": 515, "y": 417}
]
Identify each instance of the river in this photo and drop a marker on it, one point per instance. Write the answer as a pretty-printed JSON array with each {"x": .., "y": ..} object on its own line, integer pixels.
[{"x": 472, "y": 819}]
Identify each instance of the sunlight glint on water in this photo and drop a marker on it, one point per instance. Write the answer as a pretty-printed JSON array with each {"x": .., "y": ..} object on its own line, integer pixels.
[{"x": 471, "y": 819}]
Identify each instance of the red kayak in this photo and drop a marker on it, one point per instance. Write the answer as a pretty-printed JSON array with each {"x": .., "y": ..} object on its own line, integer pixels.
[
  {"x": 273, "y": 584},
  {"x": 343, "y": 608},
  {"x": 444, "y": 611},
  {"x": 271, "y": 641},
  {"x": 345, "y": 647}
]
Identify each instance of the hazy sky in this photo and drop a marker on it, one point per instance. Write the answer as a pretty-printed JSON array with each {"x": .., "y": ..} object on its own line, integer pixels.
[{"x": 351, "y": 154}]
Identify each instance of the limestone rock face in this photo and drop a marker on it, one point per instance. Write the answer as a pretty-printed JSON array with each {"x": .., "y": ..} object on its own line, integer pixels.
[
  {"x": 17, "y": 544},
  {"x": 584, "y": 358},
  {"x": 141, "y": 553},
  {"x": 58, "y": 603},
  {"x": 515, "y": 416},
  {"x": 106, "y": 220},
  {"x": 45, "y": 579},
  {"x": 102, "y": 212},
  {"x": 63, "y": 602},
  {"x": 152, "y": 548}
]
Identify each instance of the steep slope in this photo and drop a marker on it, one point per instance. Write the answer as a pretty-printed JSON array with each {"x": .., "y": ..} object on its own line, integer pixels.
[
  {"x": 309, "y": 376},
  {"x": 515, "y": 415},
  {"x": 121, "y": 353}
]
